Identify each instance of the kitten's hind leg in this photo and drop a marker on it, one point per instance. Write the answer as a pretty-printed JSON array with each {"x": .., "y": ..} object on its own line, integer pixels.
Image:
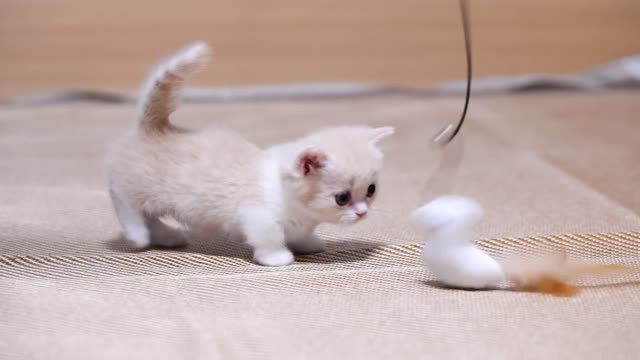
[
  {"x": 132, "y": 220},
  {"x": 266, "y": 237},
  {"x": 164, "y": 235}
]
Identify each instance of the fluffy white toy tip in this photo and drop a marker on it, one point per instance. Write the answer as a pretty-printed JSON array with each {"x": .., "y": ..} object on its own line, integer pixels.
[
  {"x": 449, "y": 251},
  {"x": 448, "y": 210}
]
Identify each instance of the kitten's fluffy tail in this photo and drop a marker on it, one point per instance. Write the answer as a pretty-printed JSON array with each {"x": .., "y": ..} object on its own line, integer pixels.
[{"x": 159, "y": 97}]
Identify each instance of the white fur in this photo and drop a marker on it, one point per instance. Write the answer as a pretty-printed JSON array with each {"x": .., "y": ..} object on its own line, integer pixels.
[
  {"x": 214, "y": 180},
  {"x": 449, "y": 251}
]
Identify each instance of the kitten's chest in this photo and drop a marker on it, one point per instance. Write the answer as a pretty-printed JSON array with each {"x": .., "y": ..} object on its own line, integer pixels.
[{"x": 296, "y": 225}]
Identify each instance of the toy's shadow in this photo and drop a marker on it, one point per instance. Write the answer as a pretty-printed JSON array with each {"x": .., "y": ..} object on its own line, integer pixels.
[
  {"x": 226, "y": 245},
  {"x": 438, "y": 285}
]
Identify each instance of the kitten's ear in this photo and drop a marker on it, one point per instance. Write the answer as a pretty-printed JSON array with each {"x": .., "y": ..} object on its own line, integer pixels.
[
  {"x": 380, "y": 133},
  {"x": 310, "y": 160}
]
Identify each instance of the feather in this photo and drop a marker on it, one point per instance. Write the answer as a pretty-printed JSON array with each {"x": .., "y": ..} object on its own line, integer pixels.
[{"x": 552, "y": 275}]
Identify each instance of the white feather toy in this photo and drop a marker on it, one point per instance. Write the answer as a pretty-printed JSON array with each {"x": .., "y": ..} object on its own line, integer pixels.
[{"x": 450, "y": 252}]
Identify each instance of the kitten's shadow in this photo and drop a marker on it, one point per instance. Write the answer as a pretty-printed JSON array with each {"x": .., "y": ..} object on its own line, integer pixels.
[
  {"x": 338, "y": 251},
  {"x": 342, "y": 251},
  {"x": 198, "y": 243}
]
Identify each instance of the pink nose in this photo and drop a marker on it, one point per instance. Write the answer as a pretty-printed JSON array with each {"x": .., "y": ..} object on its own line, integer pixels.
[{"x": 361, "y": 213}]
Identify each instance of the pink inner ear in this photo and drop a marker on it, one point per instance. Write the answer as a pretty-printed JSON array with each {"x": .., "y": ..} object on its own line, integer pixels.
[{"x": 311, "y": 162}]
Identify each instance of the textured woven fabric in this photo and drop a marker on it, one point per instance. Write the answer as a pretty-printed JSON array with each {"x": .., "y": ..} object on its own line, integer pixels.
[{"x": 543, "y": 166}]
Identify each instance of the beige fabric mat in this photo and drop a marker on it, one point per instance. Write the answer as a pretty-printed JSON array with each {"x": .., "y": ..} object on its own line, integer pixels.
[{"x": 542, "y": 164}]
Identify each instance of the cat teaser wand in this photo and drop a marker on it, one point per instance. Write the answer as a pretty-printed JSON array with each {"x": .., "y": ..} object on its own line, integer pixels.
[{"x": 450, "y": 252}]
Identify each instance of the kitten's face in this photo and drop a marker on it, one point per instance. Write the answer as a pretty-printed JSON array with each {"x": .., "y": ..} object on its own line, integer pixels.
[
  {"x": 344, "y": 197},
  {"x": 340, "y": 174}
]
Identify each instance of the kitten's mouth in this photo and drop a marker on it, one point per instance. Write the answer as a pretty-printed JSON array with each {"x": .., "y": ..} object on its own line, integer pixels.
[{"x": 348, "y": 220}]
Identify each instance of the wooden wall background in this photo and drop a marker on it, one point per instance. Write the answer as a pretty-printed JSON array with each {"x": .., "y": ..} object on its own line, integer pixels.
[{"x": 50, "y": 44}]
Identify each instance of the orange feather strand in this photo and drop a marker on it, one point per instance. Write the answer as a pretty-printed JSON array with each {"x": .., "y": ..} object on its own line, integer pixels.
[{"x": 552, "y": 275}]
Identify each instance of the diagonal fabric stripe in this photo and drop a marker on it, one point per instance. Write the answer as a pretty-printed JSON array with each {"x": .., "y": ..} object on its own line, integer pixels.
[{"x": 595, "y": 247}]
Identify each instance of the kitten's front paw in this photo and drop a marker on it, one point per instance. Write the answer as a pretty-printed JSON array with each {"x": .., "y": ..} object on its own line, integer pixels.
[
  {"x": 280, "y": 257},
  {"x": 311, "y": 245}
]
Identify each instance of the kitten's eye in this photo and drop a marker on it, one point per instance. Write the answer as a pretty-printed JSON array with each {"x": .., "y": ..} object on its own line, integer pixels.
[
  {"x": 371, "y": 190},
  {"x": 343, "y": 198}
]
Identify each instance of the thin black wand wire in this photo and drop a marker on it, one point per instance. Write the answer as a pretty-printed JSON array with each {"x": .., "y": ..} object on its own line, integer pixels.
[
  {"x": 449, "y": 164},
  {"x": 467, "y": 46}
]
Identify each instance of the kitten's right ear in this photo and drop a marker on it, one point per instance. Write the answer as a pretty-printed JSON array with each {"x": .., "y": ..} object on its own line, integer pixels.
[{"x": 310, "y": 160}]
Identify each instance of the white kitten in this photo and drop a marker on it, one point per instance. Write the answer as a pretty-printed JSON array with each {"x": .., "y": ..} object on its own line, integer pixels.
[{"x": 216, "y": 179}]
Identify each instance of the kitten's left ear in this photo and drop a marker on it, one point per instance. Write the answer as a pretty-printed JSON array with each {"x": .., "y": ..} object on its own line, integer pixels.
[
  {"x": 380, "y": 133},
  {"x": 310, "y": 160}
]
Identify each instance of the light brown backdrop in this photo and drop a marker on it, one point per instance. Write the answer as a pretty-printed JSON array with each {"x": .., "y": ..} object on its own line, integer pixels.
[{"x": 109, "y": 44}]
